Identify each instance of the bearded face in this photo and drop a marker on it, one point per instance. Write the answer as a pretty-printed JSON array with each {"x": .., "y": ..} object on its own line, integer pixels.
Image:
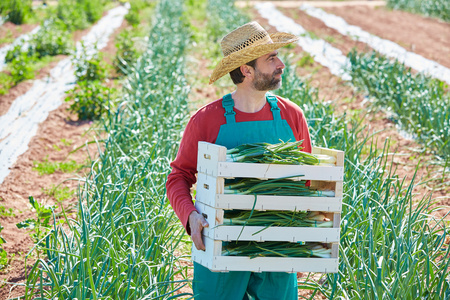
[{"x": 267, "y": 82}]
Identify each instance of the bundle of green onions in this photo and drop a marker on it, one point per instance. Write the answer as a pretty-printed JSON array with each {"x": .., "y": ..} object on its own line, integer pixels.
[
  {"x": 282, "y": 153},
  {"x": 275, "y": 249},
  {"x": 276, "y": 218},
  {"x": 277, "y": 186}
]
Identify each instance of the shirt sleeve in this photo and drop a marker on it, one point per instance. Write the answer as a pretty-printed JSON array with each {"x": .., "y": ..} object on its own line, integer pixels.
[{"x": 182, "y": 177}]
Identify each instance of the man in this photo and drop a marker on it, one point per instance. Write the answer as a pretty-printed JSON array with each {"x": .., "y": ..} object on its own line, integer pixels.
[{"x": 247, "y": 115}]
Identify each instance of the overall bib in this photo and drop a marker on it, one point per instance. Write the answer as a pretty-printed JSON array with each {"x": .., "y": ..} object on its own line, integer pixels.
[{"x": 237, "y": 285}]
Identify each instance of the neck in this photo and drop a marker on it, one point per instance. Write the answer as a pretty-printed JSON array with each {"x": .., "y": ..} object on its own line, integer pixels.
[{"x": 248, "y": 100}]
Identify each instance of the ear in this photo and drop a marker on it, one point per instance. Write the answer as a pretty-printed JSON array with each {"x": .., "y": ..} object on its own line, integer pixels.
[{"x": 247, "y": 71}]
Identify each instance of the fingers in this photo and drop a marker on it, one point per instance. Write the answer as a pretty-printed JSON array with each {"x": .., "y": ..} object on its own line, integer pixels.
[{"x": 197, "y": 222}]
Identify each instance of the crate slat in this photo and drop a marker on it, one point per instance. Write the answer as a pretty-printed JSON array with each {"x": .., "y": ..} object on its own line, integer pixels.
[
  {"x": 270, "y": 171},
  {"x": 267, "y": 202},
  {"x": 275, "y": 264},
  {"x": 275, "y": 234}
]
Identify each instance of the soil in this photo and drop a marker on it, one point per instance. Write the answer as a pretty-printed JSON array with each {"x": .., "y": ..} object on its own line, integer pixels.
[
  {"x": 427, "y": 37},
  {"x": 23, "y": 181}
]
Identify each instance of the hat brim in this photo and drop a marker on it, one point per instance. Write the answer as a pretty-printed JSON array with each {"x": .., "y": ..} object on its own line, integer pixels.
[{"x": 243, "y": 56}]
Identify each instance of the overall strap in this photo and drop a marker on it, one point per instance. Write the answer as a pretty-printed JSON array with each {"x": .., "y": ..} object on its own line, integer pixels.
[
  {"x": 228, "y": 104},
  {"x": 274, "y": 107}
]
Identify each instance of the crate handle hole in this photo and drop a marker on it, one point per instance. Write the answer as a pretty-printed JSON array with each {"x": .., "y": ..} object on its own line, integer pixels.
[
  {"x": 206, "y": 186},
  {"x": 205, "y": 215},
  {"x": 207, "y": 156}
]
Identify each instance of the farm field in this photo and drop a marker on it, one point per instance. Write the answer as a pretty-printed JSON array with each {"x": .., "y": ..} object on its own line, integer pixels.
[{"x": 115, "y": 221}]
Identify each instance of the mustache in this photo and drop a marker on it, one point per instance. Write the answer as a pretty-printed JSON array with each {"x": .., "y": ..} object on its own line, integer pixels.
[{"x": 278, "y": 72}]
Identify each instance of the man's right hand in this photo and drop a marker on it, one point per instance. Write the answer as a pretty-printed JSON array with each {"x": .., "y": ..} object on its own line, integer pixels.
[{"x": 196, "y": 223}]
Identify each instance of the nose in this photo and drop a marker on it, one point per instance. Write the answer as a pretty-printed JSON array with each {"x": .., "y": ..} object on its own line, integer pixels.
[{"x": 280, "y": 64}]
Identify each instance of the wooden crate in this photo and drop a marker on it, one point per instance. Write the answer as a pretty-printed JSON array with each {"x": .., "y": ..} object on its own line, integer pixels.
[{"x": 211, "y": 201}]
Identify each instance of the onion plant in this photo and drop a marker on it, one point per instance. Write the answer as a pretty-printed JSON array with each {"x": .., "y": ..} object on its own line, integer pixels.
[
  {"x": 430, "y": 8},
  {"x": 391, "y": 247},
  {"x": 419, "y": 104},
  {"x": 122, "y": 244}
]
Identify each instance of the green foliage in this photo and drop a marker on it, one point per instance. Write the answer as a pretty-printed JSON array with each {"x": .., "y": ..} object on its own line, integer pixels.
[
  {"x": 21, "y": 68},
  {"x": 418, "y": 103},
  {"x": 60, "y": 193},
  {"x": 52, "y": 39},
  {"x": 389, "y": 249},
  {"x": 16, "y": 11},
  {"x": 4, "y": 261},
  {"x": 79, "y": 14},
  {"x": 122, "y": 244},
  {"x": 133, "y": 17},
  {"x": 48, "y": 167},
  {"x": 306, "y": 60},
  {"x": 90, "y": 99},
  {"x": 40, "y": 225},
  {"x": 6, "y": 212},
  {"x": 126, "y": 54},
  {"x": 88, "y": 65},
  {"x": 7, "y": 38},
  {"x": 431, "y": 8},
  {"x": 6, "y": 82},
  {"x": 22, "y": 60}
]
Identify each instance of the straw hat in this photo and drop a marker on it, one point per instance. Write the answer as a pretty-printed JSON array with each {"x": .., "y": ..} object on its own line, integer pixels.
[{"x": 247, "y": 43}]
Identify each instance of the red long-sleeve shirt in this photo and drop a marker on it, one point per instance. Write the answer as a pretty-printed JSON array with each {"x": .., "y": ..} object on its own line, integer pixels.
[{"x": 204, "y": 125}]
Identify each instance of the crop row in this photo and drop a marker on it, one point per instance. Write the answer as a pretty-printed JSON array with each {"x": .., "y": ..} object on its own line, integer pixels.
[
  {"x": 54, "y": 37},
  {"x": 123, "y": 242},
  {"x": 389, "y": 246},
  {"x": 432, "y": 8},
  {"x": 418, "y": 103}
]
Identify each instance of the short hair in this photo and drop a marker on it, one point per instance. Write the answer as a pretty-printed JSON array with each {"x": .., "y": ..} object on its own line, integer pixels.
[{"x": 237, "y": 76}]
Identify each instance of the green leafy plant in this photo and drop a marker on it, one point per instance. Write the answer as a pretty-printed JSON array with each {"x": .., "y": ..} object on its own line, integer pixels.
[
  {"x": 16, "y": 11},
  {"x": 79, "y": 14},
  {"x": 6, "y": 82},
  {"x": 432, "y": 8},
  {"x": 41, "y": 224},
  {"x": 126, "y": 54},
  {"x": 21, "y": 68},
  {"x": 59, "y": 192},
  {"x": 90, "y": 99},
  {"x": 4, "y": 212},
  {"x": 418, "y": 103},
  {"x": 52, "y": 39},
  {"x": 4, "y": 261},
  {"x": 48, "y": 167},
  {"x": 89, "y": 66}
]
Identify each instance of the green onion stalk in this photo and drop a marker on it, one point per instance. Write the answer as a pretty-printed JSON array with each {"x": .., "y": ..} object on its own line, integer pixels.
[
  {"x": 280, "y": 153},
  {"x": 278, "y": 186},
  {"x": 275, "y": 249},
  {"x": 276, "y": 218}
]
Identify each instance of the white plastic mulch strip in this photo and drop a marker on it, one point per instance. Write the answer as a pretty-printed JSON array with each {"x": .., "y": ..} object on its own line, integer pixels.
[
  {"x": 321, "y": 51},
  {"x": 24, "y": 37},
  {"x": 21, "y": 122},
  {"x": 385, "y": 47}
]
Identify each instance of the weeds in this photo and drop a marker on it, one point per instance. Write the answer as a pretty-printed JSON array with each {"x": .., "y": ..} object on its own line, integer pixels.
[
  {"x": 40, "y": 225},
  {"x": 48, "y": 167}
]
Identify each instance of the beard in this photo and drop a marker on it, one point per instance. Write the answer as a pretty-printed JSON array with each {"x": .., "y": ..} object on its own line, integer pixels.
[{"x": 266, "y": 82}]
